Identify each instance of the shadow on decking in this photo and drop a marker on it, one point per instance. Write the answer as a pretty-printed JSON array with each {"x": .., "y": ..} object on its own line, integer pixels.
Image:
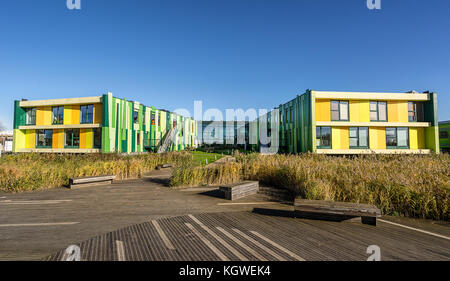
[{"x": 302, "y": 215}]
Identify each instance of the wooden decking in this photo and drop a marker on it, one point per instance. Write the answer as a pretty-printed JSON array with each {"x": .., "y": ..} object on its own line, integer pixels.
[{"x": 242, "y": 236}]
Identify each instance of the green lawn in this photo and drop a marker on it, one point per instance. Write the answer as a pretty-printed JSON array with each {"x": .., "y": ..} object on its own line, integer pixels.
[{"x": 200, "y": 156}]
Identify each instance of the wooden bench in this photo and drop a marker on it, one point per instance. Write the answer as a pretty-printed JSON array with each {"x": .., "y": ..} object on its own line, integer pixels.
[
  {"x": 318, "y": 208},
  {"x": 164, "y": 166},
  {"x": 90, "y": 181},
  {"x": 239, "y": 190}
]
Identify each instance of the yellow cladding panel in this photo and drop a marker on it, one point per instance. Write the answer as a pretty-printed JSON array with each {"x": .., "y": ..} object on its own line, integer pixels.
[
  {"x": 417, "y": 138},
  {"x": 98, "y": 113},
  {"x": 58, "y": 138},
  {"x": 86, "y": 139},
  {"x": 323, "y": 110},
  {"x": 44, "y": 115},
  {"x": 19, "y": 140},
  {"x": 30, "y": 139},
  {"x": 339, "y": 138},
  {"x": 359, "y": 111},
  {"x": 397, "y": 111},
  {"x": 377, "y": 138},
  {"x": 67, "y": 115},
  {"x": 75, "y": 114}
]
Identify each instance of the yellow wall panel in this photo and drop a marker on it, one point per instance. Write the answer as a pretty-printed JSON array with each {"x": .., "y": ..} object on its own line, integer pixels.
[
  {"x": 416, "y": 138},
  {"x": 323, "y": 112},
  {"x": 75, "y": 114},
  {"x": 98, "y": 113},
  {"x": 43, "y": 116},
  {"x": 19, "y": 139},
  {"x": 86, "y": 138},
  {"x": 67, "y": 114},
  {"x": 163, "y": 121},
  {"x": 339, "y": 138},
  {"x": 377, "y": 138},
  {"x": 30, "y": 139},
  {"x": 58, "y": 138},
  {"x": 397, "y": 111}
]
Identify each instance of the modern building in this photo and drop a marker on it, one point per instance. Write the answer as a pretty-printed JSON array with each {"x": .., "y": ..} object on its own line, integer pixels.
[
  {"x": 444, "y": 136},
  {"x": 233, "y": 134},
  {"x": 358, "y": 123},
  {"x": 98, "y": 124}
]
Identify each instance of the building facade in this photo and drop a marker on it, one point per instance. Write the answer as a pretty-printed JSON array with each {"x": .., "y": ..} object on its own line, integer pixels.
[
  {"x": 444, "y": 136},
  {"x": 358, "y": 123},
  {"x": 97, "y": 124},
  {"x": 224, "y": 133}
]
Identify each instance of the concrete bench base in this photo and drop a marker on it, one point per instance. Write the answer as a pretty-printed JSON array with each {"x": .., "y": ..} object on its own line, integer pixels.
[
  {"x": 335, "y": 210},
  {"x": 90, "y": 181},
  {"x": 239, "y": 190}
]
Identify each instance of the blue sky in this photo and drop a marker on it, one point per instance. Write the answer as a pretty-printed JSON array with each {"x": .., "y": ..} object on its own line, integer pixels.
[{"x": 229, "y": 54}]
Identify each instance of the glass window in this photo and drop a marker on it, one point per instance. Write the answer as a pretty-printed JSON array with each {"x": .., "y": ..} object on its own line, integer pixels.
[
  {"x": 30, "y": 116},
  {"x": 97, "y": 137},
  {"x": 339, "y": 111},
  {"x": 443, "y": 134},
  {"x": 323, "y": 137},
  {"x": 359, "y": 137},
  {"x": 58, "y": 115},
  {"x": 397, "y": 137},
  {"x": 415, "y": 111},
  {"x": 86, "y": 114},
  {"x": 136, "y": 117},
  {"x": 378, "y": 111},
  {"x": 153, "y": 118},
  {"x": 44, "y": 138},
  {"x": 72, "y": 137}
]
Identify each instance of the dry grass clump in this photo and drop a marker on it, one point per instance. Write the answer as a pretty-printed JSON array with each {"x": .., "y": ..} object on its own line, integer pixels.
[
  {"x": 24, "y": 172},
  {"x": 409, "y": 185}
]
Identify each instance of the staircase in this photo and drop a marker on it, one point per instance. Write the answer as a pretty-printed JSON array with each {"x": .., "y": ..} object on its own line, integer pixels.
[{"x": 167, "y": 140}]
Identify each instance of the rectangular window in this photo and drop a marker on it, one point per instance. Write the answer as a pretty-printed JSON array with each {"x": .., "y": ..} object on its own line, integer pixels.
[
  {"x": 359, "y": 137},
  {"x": 87, "y": 114},
  {"x": 58, "y": 115},
  {"x": 443, "y": 134},
  {"x": 323, "y": 137},
  {"x": 136, "y": 117},
  {"x": 286, "y": 115},
  {"x": 30, "y": 116},
  {"x": 153, "y": 118},
  {"x": 415, "y": 111},
  {"x": 97, "y": 137},
  {"x": 44, "y": 138},
  {"x": 72, "y": 137},
  {"x": 143, "y": 117},
  {"x": 138, "y": 138},
  {"x": 397, "y": 137},
  {"x": 378, "y": 111},
  {"x": 339, "y": 111}
]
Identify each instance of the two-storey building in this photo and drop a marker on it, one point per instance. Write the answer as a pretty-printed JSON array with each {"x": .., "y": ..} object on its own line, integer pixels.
[
  {"x": 96, "y": 124},
  {"x": 359, "y": 123}
]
